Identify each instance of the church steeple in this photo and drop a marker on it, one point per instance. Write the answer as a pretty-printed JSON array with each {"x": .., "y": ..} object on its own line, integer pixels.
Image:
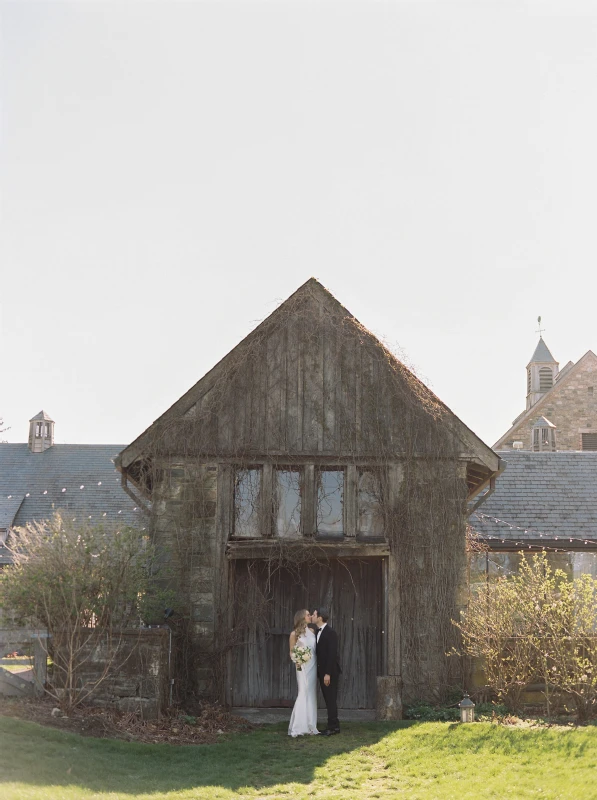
[{"x": 542, "y": 371}]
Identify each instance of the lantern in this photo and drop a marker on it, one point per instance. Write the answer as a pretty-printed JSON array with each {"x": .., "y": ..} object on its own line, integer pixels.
[{"x": 467, "y": 709}]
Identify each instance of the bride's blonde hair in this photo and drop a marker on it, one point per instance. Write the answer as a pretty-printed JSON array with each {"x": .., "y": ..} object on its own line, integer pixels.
[{"x": 300, "y": 624}]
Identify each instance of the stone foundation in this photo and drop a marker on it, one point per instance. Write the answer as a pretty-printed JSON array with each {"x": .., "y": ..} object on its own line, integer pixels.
[{"x": 388, "y": 705}]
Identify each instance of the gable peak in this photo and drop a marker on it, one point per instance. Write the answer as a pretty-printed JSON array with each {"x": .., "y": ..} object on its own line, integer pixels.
[{"x": 542, "y": 354}]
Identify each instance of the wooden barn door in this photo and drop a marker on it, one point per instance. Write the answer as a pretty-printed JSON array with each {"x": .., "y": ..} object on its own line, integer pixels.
[{"x": 262, "y": 674}]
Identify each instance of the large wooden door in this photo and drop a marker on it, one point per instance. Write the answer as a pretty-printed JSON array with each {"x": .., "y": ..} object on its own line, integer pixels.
[{"x": 265, "y": 603}]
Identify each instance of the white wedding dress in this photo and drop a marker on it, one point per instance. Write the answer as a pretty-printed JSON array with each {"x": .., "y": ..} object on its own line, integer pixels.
[{"x": 304, "y": 714}]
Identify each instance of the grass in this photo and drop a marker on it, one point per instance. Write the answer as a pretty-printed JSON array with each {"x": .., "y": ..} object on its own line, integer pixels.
[
  {"x": 16, "y": 668},
  {"x": 419, "y": 761},
  {"x": 16, "y": 665}
]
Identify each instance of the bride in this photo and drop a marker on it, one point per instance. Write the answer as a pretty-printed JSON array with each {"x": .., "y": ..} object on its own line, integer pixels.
[{"x": 304, "y": 713}]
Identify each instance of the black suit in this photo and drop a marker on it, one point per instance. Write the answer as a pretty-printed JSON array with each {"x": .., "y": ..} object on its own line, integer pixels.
[{"x": 327, "y": 664}]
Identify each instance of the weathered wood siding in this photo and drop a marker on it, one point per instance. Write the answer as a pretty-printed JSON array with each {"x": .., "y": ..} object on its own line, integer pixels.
[
  {"x": 262, "y": 673},
  {"x": 308, "y": 386}
]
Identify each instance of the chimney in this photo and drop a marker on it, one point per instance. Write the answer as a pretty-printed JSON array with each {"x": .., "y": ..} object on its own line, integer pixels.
[{"x": 41, "y": 432}]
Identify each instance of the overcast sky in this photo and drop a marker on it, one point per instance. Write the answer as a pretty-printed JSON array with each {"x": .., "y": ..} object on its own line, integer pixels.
[{"x": 171, "y": 171}]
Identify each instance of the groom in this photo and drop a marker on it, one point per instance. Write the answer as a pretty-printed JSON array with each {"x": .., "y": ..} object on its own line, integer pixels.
[{"x": 328, "y": 668}]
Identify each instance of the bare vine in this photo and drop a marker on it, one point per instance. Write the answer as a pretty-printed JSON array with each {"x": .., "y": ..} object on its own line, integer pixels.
[{"x": 374, "y": 414}]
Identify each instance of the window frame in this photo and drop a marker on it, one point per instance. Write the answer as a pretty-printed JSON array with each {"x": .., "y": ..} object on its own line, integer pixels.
[
  {"x": 259, "y": 505},
  {"x": 319, "y": 470},
  {"x": 377, "y": 472},
  {"x": 291, "y": 468}
]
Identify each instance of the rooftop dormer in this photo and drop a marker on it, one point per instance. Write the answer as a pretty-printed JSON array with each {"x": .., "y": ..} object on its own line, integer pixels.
[
  {"x": 41, "y": 432},
  {"x": 544, "y": 436}
]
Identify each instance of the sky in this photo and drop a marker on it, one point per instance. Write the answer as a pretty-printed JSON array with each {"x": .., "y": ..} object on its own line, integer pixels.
[{"x": 171, "y": 171}]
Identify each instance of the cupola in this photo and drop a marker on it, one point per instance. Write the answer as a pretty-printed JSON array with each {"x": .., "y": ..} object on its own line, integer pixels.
[
  {"x": 41, "y": 432},
  {"x": 542, "y": 371},
  {"x": 544, "y": 436}
]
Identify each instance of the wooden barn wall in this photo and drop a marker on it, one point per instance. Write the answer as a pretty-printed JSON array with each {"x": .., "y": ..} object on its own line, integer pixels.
[{"x": 305, "y": 390}]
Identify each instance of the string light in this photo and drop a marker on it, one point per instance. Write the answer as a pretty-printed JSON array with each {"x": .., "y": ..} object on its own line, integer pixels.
[
  {"x": 541, "y": 534},
  {"x": 46, "y": 493}
]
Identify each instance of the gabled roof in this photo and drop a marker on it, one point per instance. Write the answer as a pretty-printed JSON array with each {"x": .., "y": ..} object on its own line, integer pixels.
[
  {"x": 310, "y": 292},
  {"x": 43, "y": 416},
  {"x": 542, "y": 354},
  {"x": 563, "y": 379},
  {"x": 34, "y": 485},
  {"x": 543, "y": 422},
  {"x": 9, "y": 507},
  {"x": 554, "y": 494}
]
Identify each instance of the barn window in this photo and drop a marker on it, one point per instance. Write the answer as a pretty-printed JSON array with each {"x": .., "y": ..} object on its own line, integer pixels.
[
  {"x": 287, "y": 501},
  {"x": 247, "y": 502},
  {"x": 545, "y": 379},
  {"x": 370, "y": 507},
  {"x": 589, "y": 441},
  {"x": 330, "y": 501}
]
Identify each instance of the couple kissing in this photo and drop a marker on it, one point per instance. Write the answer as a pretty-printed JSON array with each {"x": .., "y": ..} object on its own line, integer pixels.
[{"x": 314, "y": 651}]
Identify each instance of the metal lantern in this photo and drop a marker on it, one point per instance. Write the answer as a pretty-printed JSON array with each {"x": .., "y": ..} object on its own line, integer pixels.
[{"x": 467, "y": 709}]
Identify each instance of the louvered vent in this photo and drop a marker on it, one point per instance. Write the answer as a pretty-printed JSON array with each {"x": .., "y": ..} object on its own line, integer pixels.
[
  {"x": 589, "y": 441},
  {"x": 545, "y": 379},
  {"x": 528, "y": 381}
]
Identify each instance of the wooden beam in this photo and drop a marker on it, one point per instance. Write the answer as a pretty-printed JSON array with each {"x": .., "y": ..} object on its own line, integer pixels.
[{"x": 265, "y": 548}]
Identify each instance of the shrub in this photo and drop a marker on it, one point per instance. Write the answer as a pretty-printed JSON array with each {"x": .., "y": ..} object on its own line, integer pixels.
[
  {"x": 536, "y": 626},
  {"x": 424, "y": 712},
  {"x": 85, "y": 585}
]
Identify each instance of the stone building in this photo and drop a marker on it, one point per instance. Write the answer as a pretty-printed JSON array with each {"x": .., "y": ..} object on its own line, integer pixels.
[
  {"x": 310, "y": 467},
  {"x": 546, "y": 498},
  {"x": 561, "y": 406}
]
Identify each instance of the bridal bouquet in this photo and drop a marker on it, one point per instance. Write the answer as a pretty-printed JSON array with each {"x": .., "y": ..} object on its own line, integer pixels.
[{"x": 301, "y": 655}]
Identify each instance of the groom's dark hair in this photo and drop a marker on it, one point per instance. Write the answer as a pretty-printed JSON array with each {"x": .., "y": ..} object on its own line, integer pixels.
[{"x": 323, "y": 613}]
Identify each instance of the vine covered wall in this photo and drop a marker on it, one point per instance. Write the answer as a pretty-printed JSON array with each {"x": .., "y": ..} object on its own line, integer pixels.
[{"x": 311, "y": 388}]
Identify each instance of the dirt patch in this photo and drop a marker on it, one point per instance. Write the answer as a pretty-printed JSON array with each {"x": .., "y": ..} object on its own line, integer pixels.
[{"x": 205, "y": 726}]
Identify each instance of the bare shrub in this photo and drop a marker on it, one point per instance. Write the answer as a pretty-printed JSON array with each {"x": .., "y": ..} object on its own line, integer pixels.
[{"x": 85, "y": 585}]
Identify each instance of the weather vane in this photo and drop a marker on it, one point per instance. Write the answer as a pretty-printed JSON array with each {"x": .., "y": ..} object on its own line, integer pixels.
[{"x": 540, "y": 331}]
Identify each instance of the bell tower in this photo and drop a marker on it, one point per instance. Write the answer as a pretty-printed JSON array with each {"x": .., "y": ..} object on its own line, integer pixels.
[
  {"x": 542, "y": 371},
  {"x": 41, "y": 432}
]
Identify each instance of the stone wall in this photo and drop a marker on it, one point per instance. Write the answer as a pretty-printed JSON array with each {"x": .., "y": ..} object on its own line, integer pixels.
[
  {"x": 141, "y": 676},
  {"x": 184, "y": 531},
  {"x": 571, "y": 406}
]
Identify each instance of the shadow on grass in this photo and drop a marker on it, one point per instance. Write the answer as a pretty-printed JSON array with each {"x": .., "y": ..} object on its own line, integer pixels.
[
  {"x": 44, "y": 757},
  {"x": 38, "y": 756}
]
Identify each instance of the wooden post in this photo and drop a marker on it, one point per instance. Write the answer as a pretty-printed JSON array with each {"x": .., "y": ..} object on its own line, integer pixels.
[
  {"x": 392, "y": 627},
  {"x": 224, "y": 529},
  {"x": 267, "y": 499},
  {"x": 40, "y": 666},
  {"x": 350, "y": 501},
  {"x": 309, "y": 504}
]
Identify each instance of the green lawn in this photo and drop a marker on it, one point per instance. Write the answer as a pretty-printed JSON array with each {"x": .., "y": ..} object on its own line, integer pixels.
[{"x": 421, "y": 761}]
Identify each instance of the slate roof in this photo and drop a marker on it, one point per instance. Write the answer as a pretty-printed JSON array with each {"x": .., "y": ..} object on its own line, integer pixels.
[
  {"x": 554, "y": 494},
  {"x": 34, "y": 485},
  {"x": 42, "y": 415},
  {"x": 542, "y": 353},
  {"x": 543, "y": 422}
]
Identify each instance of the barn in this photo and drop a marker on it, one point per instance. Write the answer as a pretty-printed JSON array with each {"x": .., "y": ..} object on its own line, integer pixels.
[{"x": 311, "y": 467}]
